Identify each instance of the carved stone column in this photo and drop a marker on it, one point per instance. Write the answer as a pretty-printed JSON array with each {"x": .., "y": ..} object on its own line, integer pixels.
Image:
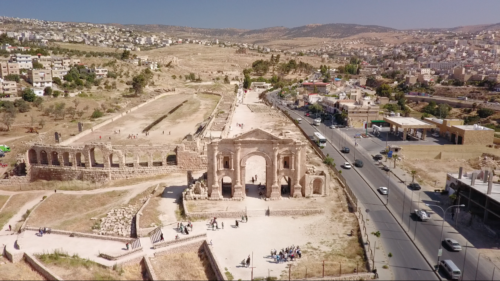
[
  {"x": 297, "y": 188},
  {"x": 238, "y": 187},
  {"x": 216, "y": 192},
  {"x": 275, "y": 190}
]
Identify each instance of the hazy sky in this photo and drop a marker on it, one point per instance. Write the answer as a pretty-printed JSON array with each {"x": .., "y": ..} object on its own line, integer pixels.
[{"x": 254, "y": 14}]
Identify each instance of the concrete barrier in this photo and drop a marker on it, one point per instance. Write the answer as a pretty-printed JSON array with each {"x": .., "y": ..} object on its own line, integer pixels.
[
  {"x": 11, "y": 255},
  {"x": 185, "y": 248},
  {"x": 116, "y": 257},
  {"x": 84, "y": 235},
  {"x": 178, "y": 241},
  {"x": 40, "y": 268}
]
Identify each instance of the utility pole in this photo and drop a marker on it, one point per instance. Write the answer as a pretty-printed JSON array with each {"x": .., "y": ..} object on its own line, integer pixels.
[
  {"x": 373, "y": 258},
  {"x": 465, "y": 255}
]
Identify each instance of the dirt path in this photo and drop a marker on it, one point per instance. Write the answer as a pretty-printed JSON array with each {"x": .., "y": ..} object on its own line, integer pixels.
[
  {"x": 171, "y": 194},
  {"x": 19, "y": 215}
]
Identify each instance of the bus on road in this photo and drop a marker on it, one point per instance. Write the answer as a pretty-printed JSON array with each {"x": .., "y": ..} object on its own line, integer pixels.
[{"x": 320, "y": 139}]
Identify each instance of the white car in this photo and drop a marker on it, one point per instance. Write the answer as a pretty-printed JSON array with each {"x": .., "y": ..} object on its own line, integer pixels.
[
  {"x": 383, "y": 190},
  {"x": 452, "y": 244},
  {"x": 436, "y": 135},
  {"x": 347, "y": 165},
  {"x": 332, "y": 127}
]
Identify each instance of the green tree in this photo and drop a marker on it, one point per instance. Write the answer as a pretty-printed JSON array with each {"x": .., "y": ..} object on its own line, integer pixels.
[
  {"x": 413, "y": 174},
  {"x": 38, "y": 101},
  {"x": 22, "y": 105},
  {"x": 47, "y": 91},
  {"x": 55, "y": 94},
  {"x": 12, "y": 77},
  {"x": 56, "y": 80},
  {"x": 125, "y": 55},
  {"x": 37, "y": 65},
  {"x": 28, "y": 95},
  {"x": 485, "y": 112},
  {"x": 247, "y": 81},
  {"x": 138, "y": 84},
  {"x": 384, "y": 90},
  {"x": 97, "y": 113},
  {"x": 316, "y": 108},
  {"x": 8, "y": 120},
  {"x": 59, "y": 109}
]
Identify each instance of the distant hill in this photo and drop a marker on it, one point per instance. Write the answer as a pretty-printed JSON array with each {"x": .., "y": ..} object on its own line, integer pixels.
[
  {"x": 469, "y": 28},
  {"x": 332, "y": 30}
]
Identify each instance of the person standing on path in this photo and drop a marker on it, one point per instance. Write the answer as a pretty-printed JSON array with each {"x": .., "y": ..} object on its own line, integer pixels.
[
  {"x": 222, "y": 224},
  {"x": 255, "y": 177},
  {"x": 161, "y": 237},
  {"x": 248, "y": 261},
  {"x": 246, "y": 218},
  {"x": 237, "y": 223},
  {"x": 127, "y": 246},
  {"x": 10, "y": 227}
]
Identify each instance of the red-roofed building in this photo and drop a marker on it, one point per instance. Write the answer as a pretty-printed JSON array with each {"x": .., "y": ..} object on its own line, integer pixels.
[{"x": 320, "y": 87}]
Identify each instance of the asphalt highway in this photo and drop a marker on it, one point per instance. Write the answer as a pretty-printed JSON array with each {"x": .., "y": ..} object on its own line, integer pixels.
[{"x": 408, "y": 262}]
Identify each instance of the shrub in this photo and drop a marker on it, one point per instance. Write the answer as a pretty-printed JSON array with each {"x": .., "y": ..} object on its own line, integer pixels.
[
  {"x": 485, "y": 112},
  {"x": 29, "y": 95},
  {"x": 97, "y": 114},
  {"x": 55, "y": 94}
]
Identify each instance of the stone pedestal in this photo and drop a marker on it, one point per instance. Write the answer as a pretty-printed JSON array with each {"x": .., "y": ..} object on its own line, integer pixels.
[
  {"x": 238, "y": 192},
  {"x": 275, "y": 192},
  {"x": 297, "y": 191},
  {"x": 216, "y": 194}
]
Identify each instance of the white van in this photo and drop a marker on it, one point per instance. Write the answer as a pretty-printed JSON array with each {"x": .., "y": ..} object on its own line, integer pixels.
[
  {"x": 451, "y": 269},
  {"x": 299, "y": 120}
]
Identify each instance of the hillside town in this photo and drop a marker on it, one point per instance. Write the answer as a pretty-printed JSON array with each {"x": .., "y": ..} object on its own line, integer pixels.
[{"x": 137, "y": 152}]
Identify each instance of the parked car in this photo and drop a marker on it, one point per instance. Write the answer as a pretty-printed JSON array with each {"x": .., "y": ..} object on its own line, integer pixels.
[
  {"x": 451, "y": 269},
  {"x": 332, "y": 126},
  {"x": 345, "y": 149},
  {"x": 358, "y": 163},
  {"x": 347, "y": 165},
  {"x": 385, "y": 168},
  {"x": 414, "y": 186},
  {"x": 383, "y": 190},
  {"x": 378, "y": 157},
  {"x": 452, "y": 244},
  {"x": 307, "y": 114},
  {"x": 436, "y": 135},
  {"x": 2, "y": 154}
]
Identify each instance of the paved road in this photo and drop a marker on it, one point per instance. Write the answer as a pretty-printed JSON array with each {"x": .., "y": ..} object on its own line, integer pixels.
[{"x": 407, "y": 262}]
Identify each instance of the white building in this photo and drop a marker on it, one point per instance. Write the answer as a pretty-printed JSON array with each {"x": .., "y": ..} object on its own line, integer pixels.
[{"x": 24, "y": 61}]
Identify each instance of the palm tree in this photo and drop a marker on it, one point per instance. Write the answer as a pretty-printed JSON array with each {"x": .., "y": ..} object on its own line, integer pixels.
[
  {"x": 413, "y": 173},
  {"x": 395, "y": 156}
]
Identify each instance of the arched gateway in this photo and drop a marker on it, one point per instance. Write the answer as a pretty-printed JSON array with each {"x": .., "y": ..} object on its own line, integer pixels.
[{"x": 283, "y": 157}]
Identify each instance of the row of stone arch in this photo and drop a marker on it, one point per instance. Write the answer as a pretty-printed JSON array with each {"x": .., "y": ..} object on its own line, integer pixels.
[{"x": 95, "y": 158}]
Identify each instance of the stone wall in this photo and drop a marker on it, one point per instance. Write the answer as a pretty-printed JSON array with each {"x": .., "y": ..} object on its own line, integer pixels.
[
  {"x": 445, "y": 151},
  {"x": 150, "y": 271},
  {"x": 81, "y": 234},
  {"x": 12, "y": 255},
  {"x": 214, "y": 261},
  {"x": 40, "y": 268},
  {"x": 191, "y": 247},
  {"x": 53, "y": 162},
  {"x": 295, "y": 212},
  {"x": 115, "y": 257},
  {"x": 178, "y": 241}
]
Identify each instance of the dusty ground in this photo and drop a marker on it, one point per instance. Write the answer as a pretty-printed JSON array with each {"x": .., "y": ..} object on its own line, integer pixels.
[
  {"x": 151, "y": 213},
  {"x": 15, "y": 205},
  {"x": 76, "y": 268},
  {"x": 74, "y": 212},
  {"x": 183, "y": 266},
  {"x": 17, "y": 271},
  {"x": 431, "y": 170},
  {"x": 3, "y": 199}
]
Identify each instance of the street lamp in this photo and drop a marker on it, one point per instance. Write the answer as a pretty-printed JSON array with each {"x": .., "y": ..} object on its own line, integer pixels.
[{"x": 442, "y": 226}]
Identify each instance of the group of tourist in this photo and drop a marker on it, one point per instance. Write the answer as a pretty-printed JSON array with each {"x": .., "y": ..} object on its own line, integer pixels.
[
  {"x": 291, "y": 253},
  {"x": 184, "y": 229},
  {"x": 214, "y": 224},
  {"x": 240, "y": 125}
]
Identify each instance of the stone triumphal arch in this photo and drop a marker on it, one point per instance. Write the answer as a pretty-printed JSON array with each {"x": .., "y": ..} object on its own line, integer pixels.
[{"x": 284, "y": 157}]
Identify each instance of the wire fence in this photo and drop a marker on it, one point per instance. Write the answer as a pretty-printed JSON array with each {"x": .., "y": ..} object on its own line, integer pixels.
[{"x": 324, "y": 269}]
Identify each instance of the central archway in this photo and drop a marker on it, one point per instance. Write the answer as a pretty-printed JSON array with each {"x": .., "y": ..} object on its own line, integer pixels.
[{"x": 254, "y": 176}]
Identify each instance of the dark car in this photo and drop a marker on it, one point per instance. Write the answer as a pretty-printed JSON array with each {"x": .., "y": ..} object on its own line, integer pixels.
[
  {"x": 358, "y": 163},
  {"x": 385, "y": 168},
  {"x": 378, "y": 157},
  {"x": 345, "y": 149},
  {"x": 414, "y": 186},
  {"x": 340, "y": 126}
]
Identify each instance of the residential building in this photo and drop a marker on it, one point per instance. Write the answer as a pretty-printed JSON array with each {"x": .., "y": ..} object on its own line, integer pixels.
[
  {"x": 40, "y": 78},
  {"x": 23, "y": 61},
  {"x": 316, "y": 87},
  {"x": 59, "y": 72},
  {"x": 7, "y": 68},
  {"x": 46, "y": 61},
  {"x": 443, "y": 126},
  {"x": 313, "y": 98},
  {"x": 100, "y": 72},
  {"x": 8, "y": 87}
]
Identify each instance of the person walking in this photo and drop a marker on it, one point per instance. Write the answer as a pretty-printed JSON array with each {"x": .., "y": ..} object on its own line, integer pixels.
[
  {"x": 127, "y": 246},
  {"x": 161, "y": 237},
  {"x": 248, "y": 261},
  {"x": 10, "y": 227},
  {"x": 222, "y": 224},
  {"x": 237, "y": 223},
  {"x": 186, "y": 231},
  {"x": 246, "y": 218}
]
